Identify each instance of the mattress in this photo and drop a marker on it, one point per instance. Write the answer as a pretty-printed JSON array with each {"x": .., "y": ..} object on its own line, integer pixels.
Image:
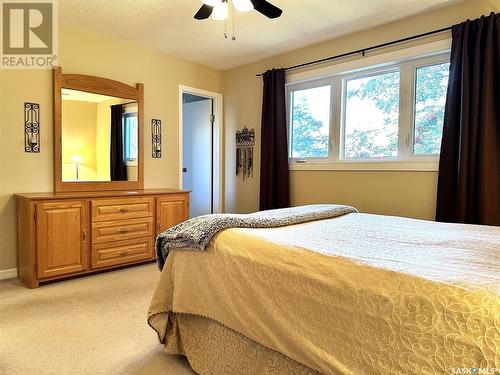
[{"x": 354, "y": 294}]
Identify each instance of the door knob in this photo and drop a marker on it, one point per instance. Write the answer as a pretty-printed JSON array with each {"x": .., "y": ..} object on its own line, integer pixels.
[{"x": 184, "y": 170}]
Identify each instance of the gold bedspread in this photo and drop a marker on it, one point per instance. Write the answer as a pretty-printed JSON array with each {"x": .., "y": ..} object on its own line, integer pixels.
[
  {"x": 357, "y": 294},
  {"x": 213, "y": 349}
]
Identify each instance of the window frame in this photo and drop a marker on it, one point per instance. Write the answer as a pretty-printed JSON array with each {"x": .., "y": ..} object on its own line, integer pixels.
[{"x": 406, "y": 159}]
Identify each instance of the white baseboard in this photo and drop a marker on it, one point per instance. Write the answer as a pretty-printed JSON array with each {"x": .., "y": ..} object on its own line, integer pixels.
[{"x": 8, "y": 274}]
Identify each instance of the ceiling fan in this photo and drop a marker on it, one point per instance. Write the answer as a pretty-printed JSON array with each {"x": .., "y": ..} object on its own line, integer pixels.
[{"x": 218, "y": 9}]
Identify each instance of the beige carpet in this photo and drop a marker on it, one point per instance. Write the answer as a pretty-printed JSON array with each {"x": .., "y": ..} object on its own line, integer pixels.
[{"x": 89, "y": 325}]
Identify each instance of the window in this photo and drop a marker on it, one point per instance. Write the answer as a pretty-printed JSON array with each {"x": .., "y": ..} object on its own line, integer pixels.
[
  {"x": 310, "y": 122},
  {"x": 430, "y": 97},
  {"x": 371, "y": 116},
  {"x": 383, "y": 116},
  {"x": 130, "y": 136}
]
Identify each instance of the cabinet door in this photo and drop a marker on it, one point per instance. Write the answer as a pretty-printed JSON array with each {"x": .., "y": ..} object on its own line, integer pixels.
[
  {"x": 61, "y": 232},
  {"x": 171, "y": 210}
]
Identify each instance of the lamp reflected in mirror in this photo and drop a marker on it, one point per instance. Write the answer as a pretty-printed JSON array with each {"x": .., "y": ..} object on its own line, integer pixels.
[{"x": 77, "y": 160}]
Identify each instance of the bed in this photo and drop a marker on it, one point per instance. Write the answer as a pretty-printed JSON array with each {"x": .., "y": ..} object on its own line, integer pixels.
[{"x": 353, "y": 294}]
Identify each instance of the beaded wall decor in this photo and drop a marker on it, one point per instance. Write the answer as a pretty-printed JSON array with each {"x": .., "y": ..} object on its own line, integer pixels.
[{"x": 245, "y": 141}]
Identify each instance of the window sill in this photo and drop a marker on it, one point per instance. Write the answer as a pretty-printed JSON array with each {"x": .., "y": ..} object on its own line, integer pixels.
[{"x": 417, "y": 166}]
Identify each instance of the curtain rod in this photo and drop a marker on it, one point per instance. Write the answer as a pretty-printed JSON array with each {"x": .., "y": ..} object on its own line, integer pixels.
[
  {"x": 364, "y": 50},
  {"x": 127, "y": 103}
]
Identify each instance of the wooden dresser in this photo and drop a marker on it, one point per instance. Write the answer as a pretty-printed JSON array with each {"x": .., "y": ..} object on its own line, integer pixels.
[{"x": 68, "y": 234}]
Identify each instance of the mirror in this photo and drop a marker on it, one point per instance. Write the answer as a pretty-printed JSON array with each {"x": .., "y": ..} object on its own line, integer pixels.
[
  {"x": 98, "y": 134},
  {"x": 99, "y": 137}
]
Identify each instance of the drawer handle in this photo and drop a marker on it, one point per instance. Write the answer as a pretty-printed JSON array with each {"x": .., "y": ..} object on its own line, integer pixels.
[
  {"x": 124, "y": 209},
  {"x": 124, "y": 252},
  {"x": 123, "y": 230}
]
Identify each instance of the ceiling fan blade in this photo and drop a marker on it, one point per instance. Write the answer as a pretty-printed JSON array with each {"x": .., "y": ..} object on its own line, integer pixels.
[
  {"x": 266, "y": 8},
  {"x": 204, "y": 12}
]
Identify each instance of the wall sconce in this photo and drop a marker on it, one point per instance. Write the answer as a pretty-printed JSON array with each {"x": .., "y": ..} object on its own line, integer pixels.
[
  {"x": 156, "y": 138},
  {"x": 31, "y": 127}
]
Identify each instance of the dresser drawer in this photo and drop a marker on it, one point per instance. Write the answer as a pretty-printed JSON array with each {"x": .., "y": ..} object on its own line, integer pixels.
[
  {"x": 124, "y": 208},
  {"x": 116, "y": 230},
  {"x": 121, "y": 252}
]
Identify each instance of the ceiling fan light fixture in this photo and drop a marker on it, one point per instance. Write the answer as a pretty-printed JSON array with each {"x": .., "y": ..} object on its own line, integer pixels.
[
  {"x": 243, "y": 5},
  {"x": 220, "y": 11},
  {"x": 211, "y": 3}
]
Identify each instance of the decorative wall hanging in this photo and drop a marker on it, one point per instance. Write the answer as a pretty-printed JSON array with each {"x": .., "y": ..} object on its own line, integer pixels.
[
  {"x": 31, "y": 127},
  {"x": 245, "y": 140},
  {"x": 156, "y": 137}
]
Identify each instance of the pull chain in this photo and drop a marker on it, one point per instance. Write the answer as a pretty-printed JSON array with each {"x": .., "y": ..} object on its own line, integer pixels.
[
  {"x": 231, "y": 19},
  {"x": 233, "y": 38}
]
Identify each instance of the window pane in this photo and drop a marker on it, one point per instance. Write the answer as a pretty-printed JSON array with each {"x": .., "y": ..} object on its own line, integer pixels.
[
  {"x": 372, "y": 116},
  {"x": 430, "y": 97},
  {"x": 130, "y": 136},
  {"x": 133, "y": 137},
  {"x": 310, "y": 122}
]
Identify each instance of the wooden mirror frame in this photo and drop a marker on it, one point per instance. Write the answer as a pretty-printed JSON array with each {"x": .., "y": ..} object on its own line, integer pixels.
[{"x": 103, "y": 86}]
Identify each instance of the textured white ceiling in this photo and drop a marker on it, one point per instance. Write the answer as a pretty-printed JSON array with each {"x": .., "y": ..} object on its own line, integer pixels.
[{"x": 169, "y": 26}]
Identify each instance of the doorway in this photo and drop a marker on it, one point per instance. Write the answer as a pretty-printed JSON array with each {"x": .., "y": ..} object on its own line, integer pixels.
[{"x": 199, "y": 144}]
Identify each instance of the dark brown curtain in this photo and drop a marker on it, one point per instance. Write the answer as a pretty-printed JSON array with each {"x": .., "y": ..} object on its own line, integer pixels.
[
  {"x": 118, "y": 167},
  {"x": 469, "y": 165},
  {"x": 274, "y": 176}
]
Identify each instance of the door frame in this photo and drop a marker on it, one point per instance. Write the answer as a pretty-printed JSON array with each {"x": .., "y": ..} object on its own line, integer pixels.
[{"x": 218, "y": 147}]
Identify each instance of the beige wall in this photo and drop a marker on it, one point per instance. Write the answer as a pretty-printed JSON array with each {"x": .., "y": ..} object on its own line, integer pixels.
[
  {"x": 99, "y": 55},
  {"x": 103, "y": 141},
  {"x": 21, "y": 171},
  {"x": 79, "y": 139},
  {"x": 398, "y": 193},
  {"x": 411, "y": 194}
]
